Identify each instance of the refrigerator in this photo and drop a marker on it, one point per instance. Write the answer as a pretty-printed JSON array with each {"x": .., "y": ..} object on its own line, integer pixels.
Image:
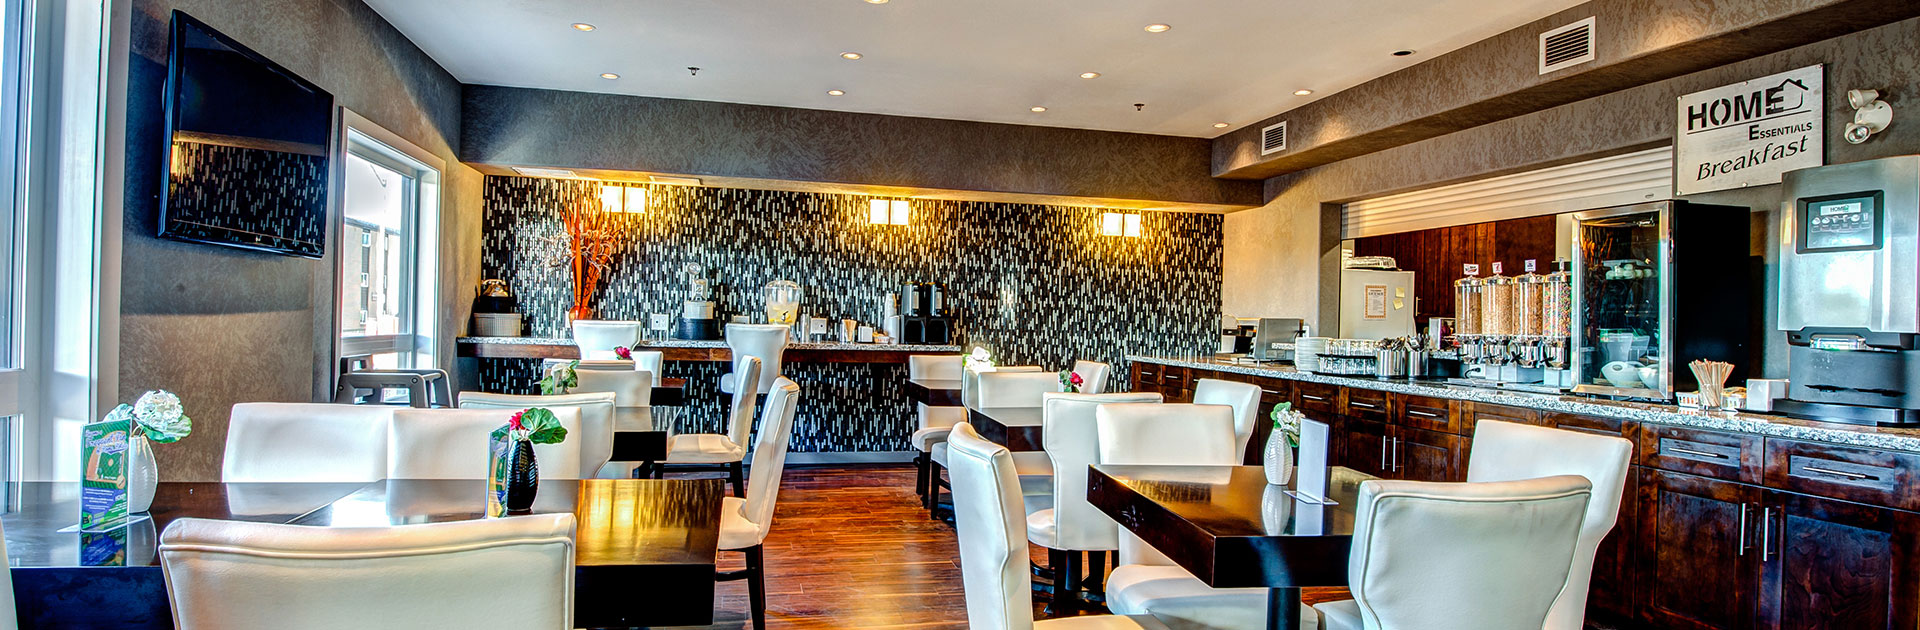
[{"x": 1376, "y": 304}]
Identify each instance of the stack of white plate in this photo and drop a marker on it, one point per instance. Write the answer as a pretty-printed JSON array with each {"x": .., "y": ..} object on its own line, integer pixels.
[{"x": 1306, "y": 353}]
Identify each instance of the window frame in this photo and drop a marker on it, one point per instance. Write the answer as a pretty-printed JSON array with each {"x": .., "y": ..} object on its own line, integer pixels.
[{"x": 420, "y": 304}]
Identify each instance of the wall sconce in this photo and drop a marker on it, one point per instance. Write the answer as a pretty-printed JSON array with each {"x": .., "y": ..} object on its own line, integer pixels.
[
  {"x": 616, "y": 198},
  {"x": 884, "y": 212},
  {"x": 1870, "y": 115},
  {"x": 1119, "y": 224}
]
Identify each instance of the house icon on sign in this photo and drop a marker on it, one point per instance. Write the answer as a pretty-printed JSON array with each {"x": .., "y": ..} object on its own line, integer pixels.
[{"x": 1790, "y": 95}]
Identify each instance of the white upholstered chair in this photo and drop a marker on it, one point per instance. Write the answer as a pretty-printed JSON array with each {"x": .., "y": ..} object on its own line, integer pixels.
[
  {"x": 933, "y": 422},
  {"x": 288, "y": 442},
  {"x": 1460, "y": 556},
  {"x": 1505, "y": 451},
  {"x": 767, "y": 341},
  {"x": 1093, "y": 376},
  {"x": 230, "y": 574},
  {"x": 452, "y": 444},
  {"x": 598, "y": 337},
  {"x": 720, "y": 451},
  {"x": 597, "y": 414},
  {"x": 633, "y": 395},
  {"x": 1038, "y": 489},
  {"x": 1072, "y": 527},
  {"x": 970, "y": 381},
  {"x": 1146, "y": 582},
  {"x": 1020, "y": 389},
  {"x": 744, "y": 523},
  {"x": 1245, "y": 400},
  {"x": 993, "y": 554}
]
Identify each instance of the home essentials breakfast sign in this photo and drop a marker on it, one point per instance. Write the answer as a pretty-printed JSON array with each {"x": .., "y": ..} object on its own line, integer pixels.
[{"x": 1748, "y": 133}]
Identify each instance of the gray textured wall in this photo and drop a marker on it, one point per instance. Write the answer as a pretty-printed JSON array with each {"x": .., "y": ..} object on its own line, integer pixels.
[
  {"x": 220, "y": 326},
  {"x": 527, "y": 127},
  {"x": 1279, "y": 256}
]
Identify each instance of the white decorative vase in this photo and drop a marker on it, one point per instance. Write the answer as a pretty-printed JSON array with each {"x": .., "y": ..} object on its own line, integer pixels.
[
  {"x": 1278, "y": 459},
  {"x": 143, "y": 475}
]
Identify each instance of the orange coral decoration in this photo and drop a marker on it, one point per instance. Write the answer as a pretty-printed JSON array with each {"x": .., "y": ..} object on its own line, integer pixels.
[{"x": 592, "y": 243}]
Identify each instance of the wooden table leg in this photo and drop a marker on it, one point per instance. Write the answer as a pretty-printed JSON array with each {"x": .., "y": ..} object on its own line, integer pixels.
[{"x": 1283, "y": 609}]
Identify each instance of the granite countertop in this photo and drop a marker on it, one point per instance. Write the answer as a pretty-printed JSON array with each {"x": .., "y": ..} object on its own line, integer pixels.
[
  {"x": 1738, "y": 422},
  {"x": 688, "y": 343}
]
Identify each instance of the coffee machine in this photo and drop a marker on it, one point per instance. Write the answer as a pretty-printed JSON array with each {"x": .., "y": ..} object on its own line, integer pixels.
[
  {"x": 927, "y": 316},
  {"x": 1850, "y": 238}
]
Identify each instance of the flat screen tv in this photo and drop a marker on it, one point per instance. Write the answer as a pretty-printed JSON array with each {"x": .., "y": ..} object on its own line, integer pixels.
[{"x": 247, "y": 147}]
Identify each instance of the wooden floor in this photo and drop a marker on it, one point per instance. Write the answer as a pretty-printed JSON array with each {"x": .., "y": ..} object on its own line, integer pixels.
[{"x": 851, "y": 548}]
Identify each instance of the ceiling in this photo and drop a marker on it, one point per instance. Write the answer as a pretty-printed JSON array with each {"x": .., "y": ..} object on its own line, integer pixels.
[{"x": 1231, "y": 61}]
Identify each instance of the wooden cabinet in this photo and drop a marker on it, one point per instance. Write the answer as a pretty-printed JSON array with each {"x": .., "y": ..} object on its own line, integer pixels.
[
  {"x": 1610, "y": 589},
  {"x": 1695, "y": 560},
  {"x": 1146, "y": 376},
  {"x": 1729, "y": 456},
  {"x": 1317, "y": 398},
  {"x": 1833, "y": 564},
  {"x": 1371, "y": 404},
  {"x": 1364, "y": 446},
  {"x": 1273, "y": 392},
  {"x": 1176, "y": 384},
  {"x": 1421, "y": 455},
  {"x": 1421, "y": 412}
]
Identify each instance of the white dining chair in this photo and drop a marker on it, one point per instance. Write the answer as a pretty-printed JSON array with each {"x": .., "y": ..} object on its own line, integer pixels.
[
  {"x": 597, "y": 413},
  {"x": 1245, "y": 400},
  {"x": 230, "y": 574},
  {"x": 744, "y": 522},
  {"x": 1147, "y": 582},
  {"x": 649, "y": 361},
  {"x": 1093, "y": 376},
  {"x": 1012, "y": 386},
  {"x": 294, "y": 442},
  {"x": 1460, "y": 556},
  {"x": 1506, "y": 451},
  {"x": 597, "y": 338},
  {"x": 452, "y": 444},
  {"x": 970, "y": 381},
  {"x": 1073, "y": 529},
  {"x": 767, "y": 341},
  {"x": 932, "y": 422},
  {"x": 993, "y": 555},
  {"x": 725, "y": 452}
]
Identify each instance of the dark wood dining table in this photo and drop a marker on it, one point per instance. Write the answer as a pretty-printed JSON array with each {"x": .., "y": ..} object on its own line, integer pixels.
[
  {"x": 1231, "y": 529},
  {"x": 671, "y": 392},
  {"x": 934, "y": 392},
  {"x": 663, "y": 534},
  {"x": 1017, "y": 428}
]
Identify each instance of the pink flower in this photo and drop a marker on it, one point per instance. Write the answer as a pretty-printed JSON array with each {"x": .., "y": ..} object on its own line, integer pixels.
[
  {"x": 514, "y": 422},
  {"x": 1075, "y": 379},
  {"x": 623, "y": 353}
]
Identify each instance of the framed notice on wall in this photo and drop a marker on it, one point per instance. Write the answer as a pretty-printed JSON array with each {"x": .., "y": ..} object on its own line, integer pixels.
[
  {"x": 1748, "y": 133},
  {"x": 1376, "y": 301}
]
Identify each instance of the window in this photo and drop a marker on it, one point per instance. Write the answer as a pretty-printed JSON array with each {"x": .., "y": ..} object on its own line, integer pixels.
[{"x": 386, "y": 307}]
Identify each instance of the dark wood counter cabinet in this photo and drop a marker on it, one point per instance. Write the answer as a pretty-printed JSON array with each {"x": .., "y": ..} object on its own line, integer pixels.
[{"x": 1717, "y": 529}]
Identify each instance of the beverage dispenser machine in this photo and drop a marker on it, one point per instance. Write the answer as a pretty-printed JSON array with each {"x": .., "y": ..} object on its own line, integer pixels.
[{"x": 1850, "y": 291}]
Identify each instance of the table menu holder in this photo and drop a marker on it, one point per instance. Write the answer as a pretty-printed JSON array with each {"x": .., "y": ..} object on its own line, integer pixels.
[
  {"x": 1310, "y": 478},
  {"x": 103, "y": 486}
]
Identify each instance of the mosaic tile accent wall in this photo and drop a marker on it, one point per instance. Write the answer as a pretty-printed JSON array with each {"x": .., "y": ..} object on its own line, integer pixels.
[{"x": 1034, "y": 284}]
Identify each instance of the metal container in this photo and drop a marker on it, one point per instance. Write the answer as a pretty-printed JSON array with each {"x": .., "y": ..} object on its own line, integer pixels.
[
  {"x": 1390, "y": 363},
  {"x": 1417, "y": 363}
]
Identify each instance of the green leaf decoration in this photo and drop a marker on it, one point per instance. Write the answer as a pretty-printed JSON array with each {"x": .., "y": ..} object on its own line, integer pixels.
[
  {"x": 542, "y": 427},
  {"x": 561, "y": 380}
]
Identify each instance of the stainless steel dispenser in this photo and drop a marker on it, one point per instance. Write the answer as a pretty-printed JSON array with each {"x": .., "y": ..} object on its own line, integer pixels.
[{"x": 1849, "y": 273}]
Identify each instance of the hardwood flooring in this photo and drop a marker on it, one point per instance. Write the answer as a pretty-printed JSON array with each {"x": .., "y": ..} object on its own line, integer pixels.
[{"x": 851, "y": 548}]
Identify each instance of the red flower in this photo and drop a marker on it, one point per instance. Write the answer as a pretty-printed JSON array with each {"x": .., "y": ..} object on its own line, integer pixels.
[
  {"x": 514, "y": 422},
  {"x": 623, "y": 352},
  {"x": 1075, "y": 379}
]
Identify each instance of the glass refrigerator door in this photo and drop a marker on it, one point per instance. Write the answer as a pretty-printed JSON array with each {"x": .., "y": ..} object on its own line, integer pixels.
[{"x": 1619, "y": 269}]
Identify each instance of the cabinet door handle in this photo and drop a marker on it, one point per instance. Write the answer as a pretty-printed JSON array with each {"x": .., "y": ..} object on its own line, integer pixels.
[
  {"x": 1383, "y": 453},
  {"x": 1423, "y": 414},
  {"x": 1766, "y": 534},
  {"x": 1837, "y": 473},
  {"x": 1396, "y": 454},
  {"x": 1696, "y": 453},
  {"x": 1269, "y": 391},
  {"x": 1362, "y": 405},
  {"x": 1742, "y": 532},
  {"x": 1313, "y": 397}
]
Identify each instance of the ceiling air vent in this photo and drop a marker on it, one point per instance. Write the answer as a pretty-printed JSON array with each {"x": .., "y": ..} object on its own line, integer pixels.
[
  {"x": 1567, "y": 46},
  {"x": 1273, "y": 138}
]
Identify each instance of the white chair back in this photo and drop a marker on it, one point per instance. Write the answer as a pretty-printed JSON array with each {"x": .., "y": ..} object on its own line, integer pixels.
[
  {"x": 289, "y": 442},
  {"x": 767, "y": 341},
  {"x": 452, "y": 444},
  {"x": 936, "y": 366},
  {"x": 653, "y": 362},
  {"x": 1016, "y": 389},
  {"x": 1505, "y": 451},
  {"x": 1245, "y": 400},
  {"x": 770, "y": 454},
  {"x": 1162, "y": 435},
  {"x": 1459, "y": 556},
  {"x": 1093, "y": 376},
  {"x": 587, "y": 364},
  {"x": 633, "y": 395},
  {"x": 991, "y": 526},
  {"x": 970, "y": 382},
  {"x": 230, "y": 574},
  {"x": 1071, "y": 438},
  {"x": 597, "y": 420},
  {"x": 740, "y": 411},
  {"x": 598, "y": 337}
]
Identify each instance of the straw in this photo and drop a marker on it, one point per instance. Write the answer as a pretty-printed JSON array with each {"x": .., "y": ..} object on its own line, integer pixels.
[{"x": 1712, "y": 376}]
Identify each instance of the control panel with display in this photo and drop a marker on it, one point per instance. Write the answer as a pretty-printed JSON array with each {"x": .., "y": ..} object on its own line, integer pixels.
[{"x": 1840, "y": 222}]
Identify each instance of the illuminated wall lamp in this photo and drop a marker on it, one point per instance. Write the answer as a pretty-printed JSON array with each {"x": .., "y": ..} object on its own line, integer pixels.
[
  {"x": 631, "y": 199},
  {"x": 884, "y": 212},
  {"x": 1119, "y": 224}
]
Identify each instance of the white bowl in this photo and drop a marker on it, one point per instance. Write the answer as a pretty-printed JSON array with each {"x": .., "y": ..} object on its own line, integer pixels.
[{"x": 1621, "y": 374}]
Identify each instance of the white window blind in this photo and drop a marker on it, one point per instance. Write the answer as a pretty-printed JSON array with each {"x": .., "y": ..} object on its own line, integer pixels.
[{"x": 1610, "y": 181}]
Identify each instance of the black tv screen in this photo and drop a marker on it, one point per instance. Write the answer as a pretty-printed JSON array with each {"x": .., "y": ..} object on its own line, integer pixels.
[{"x": 247, "y": 147}]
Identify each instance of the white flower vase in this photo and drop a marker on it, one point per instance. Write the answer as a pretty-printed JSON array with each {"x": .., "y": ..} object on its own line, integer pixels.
[
  {"x": 143, "y": 475},
  {"x": 1278, "y": 459}
]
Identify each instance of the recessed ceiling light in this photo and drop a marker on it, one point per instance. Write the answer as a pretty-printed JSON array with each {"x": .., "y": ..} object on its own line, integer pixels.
[
  {"x": 1158, "y": 28},
  {"x": 1037, "y": 109},
  {"x": 838, "y": 92},
  {"x": 582, "y": 26},
  {"x": 876, "y": 1},
  {"x": 1219, "y": 125},
  {"x": 1302, "y": 92},
  {"x": 1089, "y": 75},
  {"x": 850, "y": 56},
  {"x": 609, "y": 76},
  {"x": 1402, "y": 53}
]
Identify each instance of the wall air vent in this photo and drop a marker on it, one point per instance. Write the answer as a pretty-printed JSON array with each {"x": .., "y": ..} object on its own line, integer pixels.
[
  {"x": 1273, "y": 138},
  {"x": 1567, "y": 46}
]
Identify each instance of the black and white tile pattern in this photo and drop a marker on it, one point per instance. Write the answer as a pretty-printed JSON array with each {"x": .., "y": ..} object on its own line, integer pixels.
[{"x": 1034, "y": 284}]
